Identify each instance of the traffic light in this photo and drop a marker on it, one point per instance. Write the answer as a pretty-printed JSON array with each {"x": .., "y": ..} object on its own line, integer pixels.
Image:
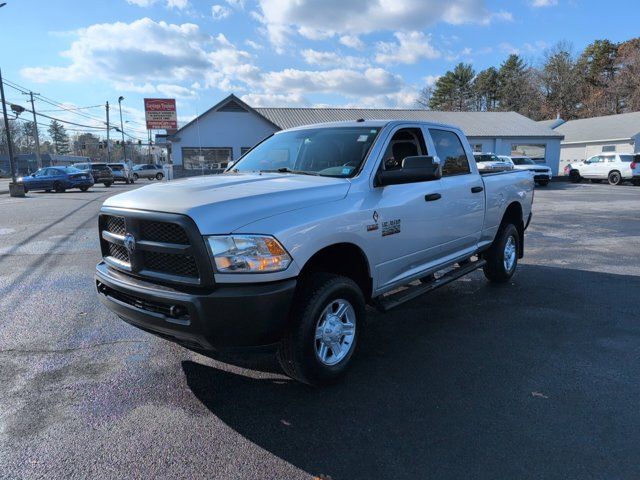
[{"x": 100, "y": 145}]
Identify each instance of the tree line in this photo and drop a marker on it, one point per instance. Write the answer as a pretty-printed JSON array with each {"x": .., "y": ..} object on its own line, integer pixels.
[{"x": 603, "y": 79}]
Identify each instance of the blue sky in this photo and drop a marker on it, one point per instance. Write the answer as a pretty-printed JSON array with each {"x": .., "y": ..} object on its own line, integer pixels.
[{"x": 369, "y": 53}]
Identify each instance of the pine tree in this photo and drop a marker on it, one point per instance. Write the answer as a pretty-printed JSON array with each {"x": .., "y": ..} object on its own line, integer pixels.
[
  {"x": 59, "y": 137},
  {"x": 486, "y": 88},
  {"x": 454, "y": 90}
]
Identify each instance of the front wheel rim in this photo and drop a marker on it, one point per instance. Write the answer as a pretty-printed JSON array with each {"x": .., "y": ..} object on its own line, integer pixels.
[
  {"x": 510, "y": 253},
  {"x": 335, "y": 332}
]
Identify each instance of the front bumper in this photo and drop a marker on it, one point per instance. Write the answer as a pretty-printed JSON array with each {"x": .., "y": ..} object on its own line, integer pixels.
[{"x": 210, "y": 319}]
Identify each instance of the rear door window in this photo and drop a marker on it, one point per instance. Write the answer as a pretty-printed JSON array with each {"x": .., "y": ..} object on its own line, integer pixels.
[{"x": 451, "y": 152}]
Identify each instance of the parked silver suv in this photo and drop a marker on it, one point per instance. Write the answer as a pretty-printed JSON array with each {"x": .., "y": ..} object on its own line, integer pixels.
[{"x": 148, "y": 170}]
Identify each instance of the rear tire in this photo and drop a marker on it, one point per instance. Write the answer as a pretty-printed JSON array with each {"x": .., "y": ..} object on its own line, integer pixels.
[
  {"x": 327, "y": 310},
  {"x": 615, "y": 178},
  {"x": 574, "y": 176},
  {"x": 26, "y": 190},
  {"x": 84, "y": 189},
  {"x": 135, "y": 177},
  {"x": 159, "y": 176},
  {"x": 108, "y": 184},
  {"x": 502, "y": 256},
  {"x": 57, "y": 186}
]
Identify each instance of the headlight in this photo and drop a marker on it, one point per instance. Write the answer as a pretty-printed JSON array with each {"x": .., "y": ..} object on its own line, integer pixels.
[{"x": 248, "y": 254}]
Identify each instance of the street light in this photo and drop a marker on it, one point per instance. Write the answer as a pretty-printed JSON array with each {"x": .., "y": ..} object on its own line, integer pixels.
[{"x": 124, "y": 147}]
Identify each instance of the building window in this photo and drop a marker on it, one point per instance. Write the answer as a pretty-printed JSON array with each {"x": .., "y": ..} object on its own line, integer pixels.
[
  {"x": 206, "y": 158},
  {"x": 477, "y": 147},
  {"x": 608, "y": 148},
  {"x": 536, "y": 152},
  {"x": 244, "y": 150}
]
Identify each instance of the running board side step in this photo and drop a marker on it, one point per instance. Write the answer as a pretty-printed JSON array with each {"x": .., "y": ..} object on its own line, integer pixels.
[{"x": 387, "y": 302}]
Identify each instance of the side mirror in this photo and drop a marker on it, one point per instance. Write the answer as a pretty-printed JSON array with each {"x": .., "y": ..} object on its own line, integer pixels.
[{"x": 414, "y": 169}]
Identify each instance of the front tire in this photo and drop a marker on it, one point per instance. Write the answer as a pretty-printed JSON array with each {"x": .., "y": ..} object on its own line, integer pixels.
[
  {"x": 84, "y": 189},
  {"x": 615, "y": 178},
  {"x": 326, "y": 322},
  {"x": 574, "y": 176},
  {"x": 108, "y": 184},
  {"x": 159, "y": 176},
  {"x": 502, "y": 256},
  {"x": 135, "y": 177},
  {"x": 543, "y": 183},
  {"x": 58, "y": 188}
]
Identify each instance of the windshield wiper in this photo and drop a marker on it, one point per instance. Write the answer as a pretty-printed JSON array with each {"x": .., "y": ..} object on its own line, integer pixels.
[{"x": 288, "y": 170}]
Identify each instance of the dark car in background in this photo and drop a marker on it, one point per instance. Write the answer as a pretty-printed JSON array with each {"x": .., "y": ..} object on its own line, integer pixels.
[
  {"x": 100, "y": 171},
  {"x": 58, "y": 179},
  {"x": 148, "y": 170}
]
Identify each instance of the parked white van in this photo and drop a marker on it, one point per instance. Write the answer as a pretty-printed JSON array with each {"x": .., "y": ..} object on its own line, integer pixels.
[{"x": 614, "y": 167}]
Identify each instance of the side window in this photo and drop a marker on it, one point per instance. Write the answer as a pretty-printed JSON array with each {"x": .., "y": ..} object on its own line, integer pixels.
[
  {"x": 407, "y": 142},
  {"x": 450, "y": 150}
]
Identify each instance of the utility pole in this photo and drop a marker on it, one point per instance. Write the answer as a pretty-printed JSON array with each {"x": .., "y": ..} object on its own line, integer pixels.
[
  {"x": 15, "y": 190},
  {"x": 124, "y": 145},
  {"x": 108, "y": 144},
  {"x": 35, "y": 129}
]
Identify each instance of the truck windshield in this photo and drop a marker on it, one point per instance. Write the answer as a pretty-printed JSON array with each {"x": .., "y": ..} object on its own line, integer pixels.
[{"x": 332, "y": 152}]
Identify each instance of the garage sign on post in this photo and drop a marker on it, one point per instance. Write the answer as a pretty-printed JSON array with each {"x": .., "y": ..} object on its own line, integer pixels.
[{"x": 160, "y": 113}]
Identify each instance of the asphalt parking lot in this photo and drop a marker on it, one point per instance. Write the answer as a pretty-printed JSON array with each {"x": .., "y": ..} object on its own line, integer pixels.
[{"x": 534, "y": 379}]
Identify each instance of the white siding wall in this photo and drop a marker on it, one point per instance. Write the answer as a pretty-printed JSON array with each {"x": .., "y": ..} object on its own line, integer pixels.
[{"x": 222, "y": 129}]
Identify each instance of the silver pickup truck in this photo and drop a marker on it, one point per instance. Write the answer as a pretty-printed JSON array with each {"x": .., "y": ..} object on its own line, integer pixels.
[{"x": 290, "y": 244}]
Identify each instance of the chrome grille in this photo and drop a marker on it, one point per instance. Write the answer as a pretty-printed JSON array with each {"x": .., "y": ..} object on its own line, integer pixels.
[
  {"x": 163, "y": 250},
  {"x": 115, "y": 225},
  {"x": 118, "y": 252}
]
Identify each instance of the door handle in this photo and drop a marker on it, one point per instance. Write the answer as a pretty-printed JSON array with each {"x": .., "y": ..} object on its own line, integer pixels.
[
  {"x": 476, "y": 189},
  {"x": 432, "y": 197}
]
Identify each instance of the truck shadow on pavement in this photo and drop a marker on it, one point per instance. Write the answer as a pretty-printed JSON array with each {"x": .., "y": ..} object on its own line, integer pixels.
[{"x": 537, "y": 379}]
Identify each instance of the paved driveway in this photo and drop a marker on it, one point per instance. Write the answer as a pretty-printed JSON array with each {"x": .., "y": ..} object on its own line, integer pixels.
[{"x": 534, "y": 379}]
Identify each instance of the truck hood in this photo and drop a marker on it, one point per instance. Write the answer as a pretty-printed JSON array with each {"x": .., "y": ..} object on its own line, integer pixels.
[{"x": 224, "y": 203}]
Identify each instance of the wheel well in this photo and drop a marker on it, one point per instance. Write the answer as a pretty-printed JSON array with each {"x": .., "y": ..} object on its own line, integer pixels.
[
  {"x": 342, "y": 259},
  {"x": 513, "y": 214}
]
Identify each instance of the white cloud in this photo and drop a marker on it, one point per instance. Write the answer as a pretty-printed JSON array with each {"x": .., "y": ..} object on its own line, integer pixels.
[
  {"x": 509, "y": 48},
  {"x": 315, "y": 18},
  {"x": 141, "y": 51},
  {"x": 409, "y": 48},
  {"x": 341, "y": 81},
  {"x": 352, "y": 41},
  {"x": 274, "y": 100},
  {"x": 237, "y": 4},
  {"x": 254, "y": 45},
  {"x": 179, "y": 4},
  {"x": 175, "y": 91},
  {"x": 218, "y": 12},
  {"x": 315, "y": 57},
  {"x": 543, "y": 3}
]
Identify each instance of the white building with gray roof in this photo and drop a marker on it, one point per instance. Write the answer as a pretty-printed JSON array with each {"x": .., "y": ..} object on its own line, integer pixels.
[
  {"x": 228, "y": 129},
  {"x": 587, "y": 137}
]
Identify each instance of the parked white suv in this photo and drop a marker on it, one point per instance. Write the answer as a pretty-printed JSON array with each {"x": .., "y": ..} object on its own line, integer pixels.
[
  {"x": 541, "y": 173},
  {"x": 635, "y": 170},
  {"x": 614, "y": 167}
]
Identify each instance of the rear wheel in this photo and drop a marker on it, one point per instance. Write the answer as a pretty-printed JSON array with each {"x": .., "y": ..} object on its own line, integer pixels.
[
  {"x": 159, "y": 176},
  {"x": 615, "y": 178},
  {"x": 326, "y": 318},
  {"x": 84, "y": 189},
  {"x": 57, "y": 186},
  {"x": 108, "y": 184},
  {"x": 574, "y": 176},
  {"x": 25, "y": 189},
  {"x": 502, "y": 256}
]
